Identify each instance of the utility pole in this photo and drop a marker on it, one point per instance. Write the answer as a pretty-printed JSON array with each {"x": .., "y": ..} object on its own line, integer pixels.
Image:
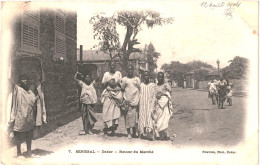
[
  {"x": 218, "y": 62},
  {"x": 146, "y": 57},
  {"x": 81, "y": 54}
]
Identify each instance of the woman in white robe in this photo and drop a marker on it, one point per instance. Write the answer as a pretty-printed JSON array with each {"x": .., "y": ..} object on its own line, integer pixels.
[
  {"x": 163, "y": 110},
  {"x": 111, "y": 99}
]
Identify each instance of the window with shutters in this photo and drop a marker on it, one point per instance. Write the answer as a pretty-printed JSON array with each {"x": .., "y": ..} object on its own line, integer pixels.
[
  {"x": 60, "y": 37},
  {"x": 30, "y": 29}
]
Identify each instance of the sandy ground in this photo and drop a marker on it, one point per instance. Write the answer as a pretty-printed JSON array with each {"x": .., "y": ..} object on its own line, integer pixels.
[{"x": 195, "y": 121}]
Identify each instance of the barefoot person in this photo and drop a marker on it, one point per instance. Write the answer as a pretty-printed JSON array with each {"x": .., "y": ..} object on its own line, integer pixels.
[
  {"x": 131, "y": 87},
  {"x": 212, "y": 86},
  {"x": 229, "y": 93},
  {"x": 88, "y": 98},
  {"x": 222, "y": 91},
  {"x": 27, "y": 111},
  {"x": 111, "y": 99},
  {"x": 163, "y": 110},
  {"x": 146, "y": 107}
]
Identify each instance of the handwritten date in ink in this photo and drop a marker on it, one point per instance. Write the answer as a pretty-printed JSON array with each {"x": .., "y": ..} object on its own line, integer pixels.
[{"x": 228, "y": 7}]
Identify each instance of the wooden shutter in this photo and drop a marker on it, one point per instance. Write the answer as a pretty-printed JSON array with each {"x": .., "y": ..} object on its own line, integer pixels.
[
  {"x": 36, "y": 38},
  {"x": 60, "y": 37},
  {"x": 60, "y": 44},
  {"x": 25, "y": 34},
  {"x": 60, "y": 24},
  {"x": 32, "y": 14},
  {"x": 30, "y": 32}
]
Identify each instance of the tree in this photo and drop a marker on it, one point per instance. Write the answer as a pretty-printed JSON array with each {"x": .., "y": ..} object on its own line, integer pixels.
[
  {"x": 198, "y": 64},
  {"x": 177, "y": 70},
  {"x": 200, "y": 74},
  {"x": 237, "y": 68},
  {"x": 105, "y": 30}
]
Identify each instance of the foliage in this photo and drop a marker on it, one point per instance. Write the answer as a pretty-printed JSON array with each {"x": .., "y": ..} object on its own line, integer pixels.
[
  {"x": 177, "y": 70},
  {"x": 104, "y": 28},
  {"x": 198, "y": 64},
  {"x": 237, "y": 68},
  {"x": 200, "y": 74}
]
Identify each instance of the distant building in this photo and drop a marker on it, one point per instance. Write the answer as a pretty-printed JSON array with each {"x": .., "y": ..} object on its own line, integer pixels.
[
  {"x": 97, "y": 63},
  {"x": 190, "y": 81},
  {"x": 45, "y": 44},
  {"x": 201, "y": 74}
]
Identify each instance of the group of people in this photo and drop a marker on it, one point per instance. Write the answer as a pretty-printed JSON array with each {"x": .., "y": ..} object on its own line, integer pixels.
[
  {"x": 146, "y": 106},
  {"x": 219, "y": 91}
]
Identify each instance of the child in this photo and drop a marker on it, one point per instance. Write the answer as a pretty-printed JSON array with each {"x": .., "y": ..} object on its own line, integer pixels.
[
  {"x": 113, "y": 87},
  {"x": 114, "y": 90},
  {"x": 88, "y": 98},
  {"x": 230, "y": 93}
]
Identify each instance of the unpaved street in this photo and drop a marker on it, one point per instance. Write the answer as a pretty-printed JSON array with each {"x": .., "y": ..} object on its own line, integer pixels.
[{"x": 196, "y": 122}]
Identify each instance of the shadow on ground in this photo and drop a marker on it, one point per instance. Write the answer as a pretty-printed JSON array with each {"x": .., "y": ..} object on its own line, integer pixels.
[
  {"x": 41, "y": 152},
  {"x": 59, "y": 122}
]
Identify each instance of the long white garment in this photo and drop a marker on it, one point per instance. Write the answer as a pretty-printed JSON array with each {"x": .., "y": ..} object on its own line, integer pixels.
[
  {"x": 164, "y": 112},
  {"x": 22, "y": 117},
  {"x": 164, "y": 108},
  {"x": 132, "y": 90},
  {"x": 132, "y": 96},
  {"x": 108, "y": 76},
  {"x": 146, "y": 106},
  {"x": 212, "y": 87},
  {"x": 111, "y": 110}
]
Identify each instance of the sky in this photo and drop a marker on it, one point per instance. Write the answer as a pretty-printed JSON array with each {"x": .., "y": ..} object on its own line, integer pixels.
[{"x": 197, "y": 33}]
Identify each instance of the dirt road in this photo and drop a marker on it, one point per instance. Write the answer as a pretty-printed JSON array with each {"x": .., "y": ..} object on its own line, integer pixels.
[{"x": 196, "y": 122}]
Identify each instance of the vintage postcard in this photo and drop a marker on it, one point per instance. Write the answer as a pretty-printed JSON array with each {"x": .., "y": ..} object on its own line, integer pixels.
[{"x": 129, "y": 82}]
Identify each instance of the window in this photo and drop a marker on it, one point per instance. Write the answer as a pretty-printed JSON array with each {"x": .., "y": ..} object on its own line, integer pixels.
[
  {"x": 60, "y": 37},
  {"x": 30, "y": 28}
]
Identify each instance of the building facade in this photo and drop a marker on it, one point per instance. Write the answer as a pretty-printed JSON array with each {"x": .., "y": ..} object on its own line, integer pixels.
[
  {"x": 45, "y": 47},
  {"x": 97, "y": 62}
]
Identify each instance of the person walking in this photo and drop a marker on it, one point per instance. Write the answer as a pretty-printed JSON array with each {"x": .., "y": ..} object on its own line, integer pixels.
[
  {"x": 222, "y": 92},
  {"x": 212, "y": 86}
]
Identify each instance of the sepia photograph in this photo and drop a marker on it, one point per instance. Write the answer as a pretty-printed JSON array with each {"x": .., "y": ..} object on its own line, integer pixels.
[{"x": 129, "y": 82}]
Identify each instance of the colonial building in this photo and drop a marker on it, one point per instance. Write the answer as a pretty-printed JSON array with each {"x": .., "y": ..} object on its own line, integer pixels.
[{"x": 45, "y": 47}]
